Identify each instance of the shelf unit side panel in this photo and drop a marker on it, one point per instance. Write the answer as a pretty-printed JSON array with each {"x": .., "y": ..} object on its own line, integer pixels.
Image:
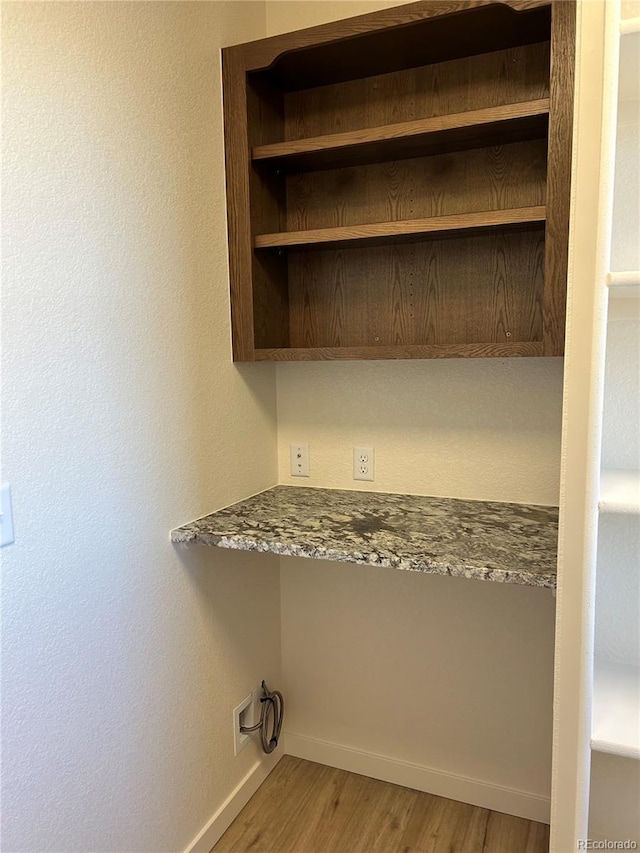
[
  {"x": 563, "y": 45},
  {"x": 265, "y": 110},
  {"x": 236, "y": 139}
]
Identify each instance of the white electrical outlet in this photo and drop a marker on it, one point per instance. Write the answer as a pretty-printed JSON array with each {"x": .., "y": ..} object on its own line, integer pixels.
[
  {"x": 299, "y": 454},
  {"x": 363, "y": 463}
]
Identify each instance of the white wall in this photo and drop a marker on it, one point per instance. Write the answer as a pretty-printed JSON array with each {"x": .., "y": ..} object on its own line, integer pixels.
[
  {"x": 123, "y": 417},
  {"x": 613, "y": 804},
  {"x": 486, "y": 429},
  {"x": 625, "y": 249},
  {"x": 284, "y": 16},
  {"x": 448, "y": 674}
]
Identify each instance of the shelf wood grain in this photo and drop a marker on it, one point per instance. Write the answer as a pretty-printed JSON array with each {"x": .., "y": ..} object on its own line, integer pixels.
[
  {"x": 419, "y": 294},
  {"x": 502, "y": 177},
  {"x": 524, "y": 349},
  {"x": 471, "y": 129},
  {"x": 523, "y": 217}
]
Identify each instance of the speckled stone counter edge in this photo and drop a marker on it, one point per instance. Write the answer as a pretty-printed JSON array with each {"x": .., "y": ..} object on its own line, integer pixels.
[{"x": 196, "y": 532}]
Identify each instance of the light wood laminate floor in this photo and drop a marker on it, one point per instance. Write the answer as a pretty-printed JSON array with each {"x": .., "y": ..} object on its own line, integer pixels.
[{"x": 305, "y": 807}]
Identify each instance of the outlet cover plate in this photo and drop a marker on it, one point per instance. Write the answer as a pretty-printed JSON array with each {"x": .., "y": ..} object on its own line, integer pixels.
[
  {"x": 240, "y": 712},
  {"x": 299, "y": 454},
  {"x": 363, "y": 463}
]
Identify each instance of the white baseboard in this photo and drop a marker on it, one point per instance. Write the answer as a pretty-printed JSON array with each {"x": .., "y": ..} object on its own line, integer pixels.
[
  {"x": 214, "y": 829},
  {"x": 465, "y": 790}
]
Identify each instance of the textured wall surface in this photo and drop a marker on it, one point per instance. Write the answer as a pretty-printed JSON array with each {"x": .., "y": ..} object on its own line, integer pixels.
[
  {"x": 486, "y": 429},
  {"x": 283, "y": 16},
  {"x": 621, "y": 416},
  {"x": 621, "y": 413},
  {"x": 123, "y": 416},
  {"x": 613, "y": 805},
  {"x": 447, "y": 673},
  {"x": 626, "y": 212},
  {"x": 618, "y": 589},
  {"x": 474, "y": 428}
]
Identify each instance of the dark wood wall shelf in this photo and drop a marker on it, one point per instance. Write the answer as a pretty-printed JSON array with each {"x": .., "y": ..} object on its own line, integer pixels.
[
  {"x": 382, "y": 232},
  {"x": 398, "y": 183},
  {"x": 437, "y": 135},
  {"x": 395, "y": 352}
]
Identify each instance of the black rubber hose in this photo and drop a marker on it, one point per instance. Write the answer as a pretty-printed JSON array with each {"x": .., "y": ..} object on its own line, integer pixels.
[{"x": 272, "y": 714}]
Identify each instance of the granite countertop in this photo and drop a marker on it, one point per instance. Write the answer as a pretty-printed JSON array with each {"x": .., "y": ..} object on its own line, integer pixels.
[{"x": 505, "y": 542}]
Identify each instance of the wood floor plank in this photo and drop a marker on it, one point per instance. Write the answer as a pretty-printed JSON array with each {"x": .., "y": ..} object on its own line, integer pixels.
[
  {"x": 445, "y": 826},
  {"x": 506, "y": 834},
  {"x": 277, "y": 815},
  {"x": 392, "y": 807},
  {"x": 305, "y": 807}
]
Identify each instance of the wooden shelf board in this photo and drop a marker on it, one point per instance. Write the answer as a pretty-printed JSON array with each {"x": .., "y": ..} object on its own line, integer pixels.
[
  {"x": 619, "y": 491},
  {"x": 616, "y": 709},
  {"x": 475, "y": 128},
  {"x": 468, "y": 223},
  {"x": 496, "y": 350}
]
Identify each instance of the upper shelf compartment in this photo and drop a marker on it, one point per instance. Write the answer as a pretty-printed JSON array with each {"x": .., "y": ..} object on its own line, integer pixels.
[
  {"x": 398, "y": 38},
  {"x": 425, "y": 136},
  {"x": 398, "y": 183}
]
